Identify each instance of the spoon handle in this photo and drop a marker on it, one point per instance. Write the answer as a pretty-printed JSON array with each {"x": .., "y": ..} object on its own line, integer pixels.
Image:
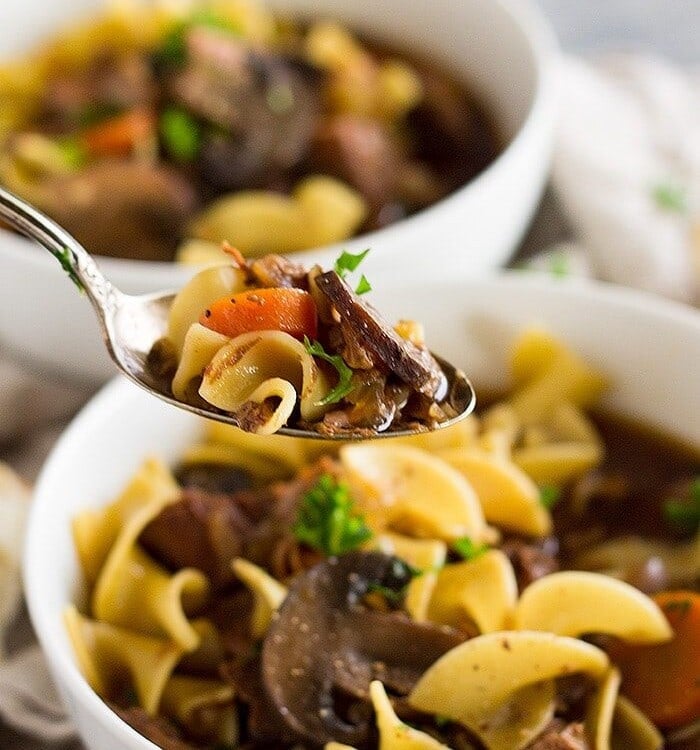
[{"x": 72, "y": 256}]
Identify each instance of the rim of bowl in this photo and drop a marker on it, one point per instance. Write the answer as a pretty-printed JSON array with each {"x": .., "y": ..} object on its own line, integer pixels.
[
  {"x": 616, "y": 297},
  {"x": 543, "y": 49}
]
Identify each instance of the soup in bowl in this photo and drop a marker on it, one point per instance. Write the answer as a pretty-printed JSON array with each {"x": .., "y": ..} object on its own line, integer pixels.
[
  {"x": 523, "y": 579},
  {"x": 128, "y": 107}
]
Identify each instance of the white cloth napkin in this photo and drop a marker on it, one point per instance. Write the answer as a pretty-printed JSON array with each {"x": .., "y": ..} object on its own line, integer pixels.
[
  {"x": 33, "y": 410},
  {"x": 626, "y": 172}
]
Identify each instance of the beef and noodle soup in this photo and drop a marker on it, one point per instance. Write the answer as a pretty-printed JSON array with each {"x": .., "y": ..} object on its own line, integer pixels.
[
  {"x": 273, "y": 344},
  {"x": 527, "y": 578},
  {"x": 150, "y": 132}
]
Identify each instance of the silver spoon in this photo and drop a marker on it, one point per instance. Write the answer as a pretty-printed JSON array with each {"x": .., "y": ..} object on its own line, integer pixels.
[{"x": 131, "y": 324}]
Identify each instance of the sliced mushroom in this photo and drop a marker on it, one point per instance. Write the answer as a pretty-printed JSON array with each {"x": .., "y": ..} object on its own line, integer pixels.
[
  {"x": 413, "y": 365},
  {"x": 325, "y": 647}
]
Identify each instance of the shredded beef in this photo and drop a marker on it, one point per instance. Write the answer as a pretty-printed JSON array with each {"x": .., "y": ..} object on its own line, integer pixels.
[
  {"x": 411, "y": 364},
  {"x": 349, "y": 342},
  {"x": 277, "y": 271}
]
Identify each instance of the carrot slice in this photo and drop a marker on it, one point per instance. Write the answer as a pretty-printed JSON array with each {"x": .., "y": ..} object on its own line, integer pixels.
[
  {"x": 664, "y": 680},
  {"x": 278, "y": 309},
  {"x": 119, "y": 135}
]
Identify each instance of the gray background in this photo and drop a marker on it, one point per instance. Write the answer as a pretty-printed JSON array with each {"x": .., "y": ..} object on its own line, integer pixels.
[{"x": 669, "y": 27}]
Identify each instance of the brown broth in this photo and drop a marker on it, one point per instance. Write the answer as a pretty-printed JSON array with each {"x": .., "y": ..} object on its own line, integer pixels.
[{"x": 643, "y": 468}]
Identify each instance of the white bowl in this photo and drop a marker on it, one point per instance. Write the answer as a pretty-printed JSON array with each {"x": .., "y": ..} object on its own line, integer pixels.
[
  {"x": 646, "y": 346},
  {"x": 502, "y": 48}
]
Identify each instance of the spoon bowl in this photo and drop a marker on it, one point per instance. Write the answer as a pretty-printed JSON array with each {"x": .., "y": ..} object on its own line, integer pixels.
[{"x": 131, "y": 324}]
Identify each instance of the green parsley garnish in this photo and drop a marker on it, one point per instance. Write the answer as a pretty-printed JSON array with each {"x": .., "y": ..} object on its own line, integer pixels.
[
  {"x": 349, "y": 262},
  {"x": 363, "y": 286},
  {"x": 683, "y": 514},
  {"x": 65, "y": 258},
  {"x": 344, "y": 385},
  {"x": 549, "y": 496},
  {"x": 181, "y": 134},
  {"x": 326, "y": 520},
  {"x": 670, "y": 197},
  {"x": 468, "y": 548}
]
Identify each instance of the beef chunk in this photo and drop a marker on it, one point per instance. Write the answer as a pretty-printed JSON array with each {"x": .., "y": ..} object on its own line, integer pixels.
[
  {"x": 414, "y": 366},
  {"x": 264, "y": 722},
  {"x": 203, "y": 530},
  {"x": 207, "y": 530},
  {"x": 360, "y": 152},
  {"x": 532, "y": 559}
]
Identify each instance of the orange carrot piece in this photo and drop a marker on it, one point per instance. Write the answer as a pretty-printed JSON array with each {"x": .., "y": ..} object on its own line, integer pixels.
[
  {"x": 664, "y": 680},
  {"x": 278, "y": 309},
  {"x": 119, "y": 135}
]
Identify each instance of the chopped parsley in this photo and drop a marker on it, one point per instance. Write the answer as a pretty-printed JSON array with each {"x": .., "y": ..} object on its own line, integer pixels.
[
  {"x": 327, "y": 520},
  {"x": 468, "y": 549},
  {"x": 670, "y": 197},
  {"x": 363, "y": 286},
  {"x": 349, "y": 262},
  {"x": 549, "y": 496},
  {"x": 344, "y": 385},
  {"x": 65, "y": 258},
  {"x": 683, "y": 513},
  {"x": 181, "y": 134}
]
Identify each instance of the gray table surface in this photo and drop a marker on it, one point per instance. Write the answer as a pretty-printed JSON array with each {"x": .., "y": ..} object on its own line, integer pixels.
[{"x": 667, "y": 27}]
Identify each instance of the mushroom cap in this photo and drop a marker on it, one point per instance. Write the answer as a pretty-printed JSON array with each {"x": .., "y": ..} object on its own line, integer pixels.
[{"x": 324, "y": 648}]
